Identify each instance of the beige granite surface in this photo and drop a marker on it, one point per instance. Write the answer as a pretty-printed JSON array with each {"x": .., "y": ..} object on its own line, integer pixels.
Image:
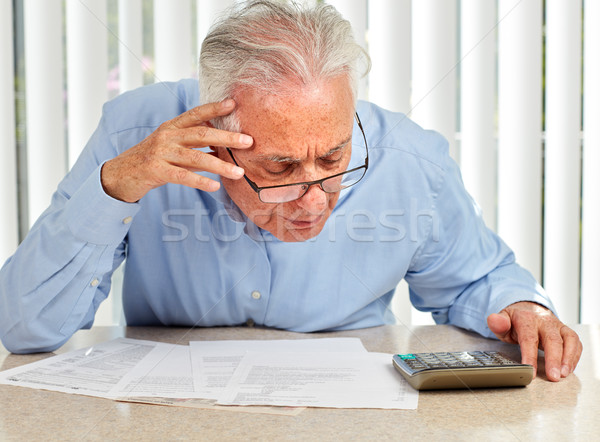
[{"x": 568, "y": 410}]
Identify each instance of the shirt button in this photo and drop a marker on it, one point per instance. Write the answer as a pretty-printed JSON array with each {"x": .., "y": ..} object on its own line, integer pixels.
[
  {"x": 250, "y": 323},
  {"x": 256, "y": 294},
  {"x": 127, "y": 220},
  {"x": 94, "y": 282}
]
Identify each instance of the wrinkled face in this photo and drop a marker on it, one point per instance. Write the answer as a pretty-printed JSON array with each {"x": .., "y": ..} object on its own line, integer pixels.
[{"x": 301, "y": 138}]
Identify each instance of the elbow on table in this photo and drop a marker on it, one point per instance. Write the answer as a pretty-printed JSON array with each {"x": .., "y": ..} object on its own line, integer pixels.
[{"x": 22, "y": 340}]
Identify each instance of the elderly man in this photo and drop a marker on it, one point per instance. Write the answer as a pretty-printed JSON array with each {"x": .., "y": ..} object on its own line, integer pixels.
[{"x": 270, "y": 204}]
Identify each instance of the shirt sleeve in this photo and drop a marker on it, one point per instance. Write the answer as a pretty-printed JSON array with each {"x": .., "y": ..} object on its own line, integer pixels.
[
  {"x": 55, "y": 281},
  {"x": 463, "y": 272}
]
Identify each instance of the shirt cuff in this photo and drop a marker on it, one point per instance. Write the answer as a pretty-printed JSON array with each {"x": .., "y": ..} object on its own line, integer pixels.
[
  {"x": 95, "y": 217},
  {"x": 512, "y": 298}
]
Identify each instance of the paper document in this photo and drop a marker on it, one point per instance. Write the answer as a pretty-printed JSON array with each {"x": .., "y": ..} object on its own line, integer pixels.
[
  {"x": 92, "y": 371},
  {"x": 165, "y": 378},
  {"x": 319, "y": 379},
  {"x": 167, "y": 374},
  {"x": 214, "y": 362},
  {"x": 329, "y": 372},
  {"x": 211, "y": 404}
]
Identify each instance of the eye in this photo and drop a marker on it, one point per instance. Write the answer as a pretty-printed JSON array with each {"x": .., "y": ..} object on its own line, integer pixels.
[
  {"x": 278, "y": 168},
  {"x": 333, "y": 159}
]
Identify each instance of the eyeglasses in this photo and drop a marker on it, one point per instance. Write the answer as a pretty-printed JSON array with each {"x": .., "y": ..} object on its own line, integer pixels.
[{"x": 284, "y": 193}]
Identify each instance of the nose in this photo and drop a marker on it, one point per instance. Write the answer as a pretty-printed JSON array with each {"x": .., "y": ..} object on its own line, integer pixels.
[{"x": 314, "y": 201}]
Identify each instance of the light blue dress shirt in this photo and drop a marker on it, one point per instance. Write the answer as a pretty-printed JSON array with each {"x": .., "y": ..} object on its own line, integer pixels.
[{"x": 193, "y": 259}]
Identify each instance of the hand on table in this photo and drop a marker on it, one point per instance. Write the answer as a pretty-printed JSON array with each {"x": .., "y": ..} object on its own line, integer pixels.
[
  {"x": 532, "y": 326},
  {"x": 167, "y": 155}
]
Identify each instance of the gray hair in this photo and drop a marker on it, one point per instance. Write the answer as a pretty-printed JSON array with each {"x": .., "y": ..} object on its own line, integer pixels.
[{"x": 274, "y": 48}]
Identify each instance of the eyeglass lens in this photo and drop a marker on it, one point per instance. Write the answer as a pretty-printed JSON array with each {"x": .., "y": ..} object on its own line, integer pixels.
[{"x": 293, "y": 192}]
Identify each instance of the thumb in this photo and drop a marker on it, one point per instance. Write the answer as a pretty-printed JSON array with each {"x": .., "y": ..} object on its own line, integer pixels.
[{"x": 500, "y": 325}]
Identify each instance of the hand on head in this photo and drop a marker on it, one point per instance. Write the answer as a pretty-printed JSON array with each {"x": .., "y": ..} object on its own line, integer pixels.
[{"x": 167, "y": 155}]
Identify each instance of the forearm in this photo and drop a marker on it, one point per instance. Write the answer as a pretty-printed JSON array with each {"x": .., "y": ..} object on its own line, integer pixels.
[
  {"x": 466, "y": 272},
  {"x": 53, "y": 284},
  {"x": 39, "y": 313}
]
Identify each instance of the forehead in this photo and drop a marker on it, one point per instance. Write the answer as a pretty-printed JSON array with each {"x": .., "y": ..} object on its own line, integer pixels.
[{"x": 315, "y": 119}]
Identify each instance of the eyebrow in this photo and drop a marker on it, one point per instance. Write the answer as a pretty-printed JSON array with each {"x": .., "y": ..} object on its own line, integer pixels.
[{"x": 292, "y": 160}]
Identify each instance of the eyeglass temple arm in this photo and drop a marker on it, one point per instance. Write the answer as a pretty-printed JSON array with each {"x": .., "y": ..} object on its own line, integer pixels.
[
  {"x": 248, "y": 180},
  {"x": 358, "y": 122}
]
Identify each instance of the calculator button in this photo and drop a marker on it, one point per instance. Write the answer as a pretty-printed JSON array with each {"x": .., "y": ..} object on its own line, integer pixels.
[{"x": 416, "y": 365}]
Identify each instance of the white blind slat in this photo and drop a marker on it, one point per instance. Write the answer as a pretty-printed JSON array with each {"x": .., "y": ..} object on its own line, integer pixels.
[
  {"x": 590, "y": 257},
  {"x": 434, "y": 62},
  {"x": 562, "y": 158},
  {"x": 206, "y": 13},
  {"x": 519, "y": 129},
  {"x": 478, "y": 103},
  {"x": 355, "y": 11},
  {"x": 8, "y": 166},
  {"x": 131, "y": 74},
  {"x": 389, "y": 40},
  {"x": 87, "y": 70},
  {"x": 45, "y": 102},
  {"x": 173, "y": 56}
]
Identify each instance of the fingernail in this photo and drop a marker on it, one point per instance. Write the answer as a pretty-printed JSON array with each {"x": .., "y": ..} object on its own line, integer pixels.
[
  {"x": 565, "y": 371},
  {"x": 555, "y": 373},
  {"x": 246, "y": 139},
  {"x": 213, "y": 186}
]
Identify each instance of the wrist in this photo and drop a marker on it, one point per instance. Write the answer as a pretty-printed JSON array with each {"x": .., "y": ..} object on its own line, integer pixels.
[{"x": 114, "y": 186}]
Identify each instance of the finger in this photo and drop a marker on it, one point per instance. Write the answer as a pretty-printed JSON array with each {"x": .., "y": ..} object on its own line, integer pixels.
[
  {"x": 552, "y": 344},
  {"x": 200, "y": 136},
  {"x": 528, "y": 339},
  {"x": 572, "y": 349},
  {"x": 196, "y": 160},
  {"x": 180, "y": 175},
  {"x": 201, "y": 114},
  {"x": 499, "y": 324}
]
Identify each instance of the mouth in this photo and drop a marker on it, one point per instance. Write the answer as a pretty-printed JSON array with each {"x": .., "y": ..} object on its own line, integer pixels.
[{"x": 304, "y": 223}]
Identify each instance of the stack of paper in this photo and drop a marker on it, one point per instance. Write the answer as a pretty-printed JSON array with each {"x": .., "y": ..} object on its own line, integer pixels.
[{"x": 331, "y": 372}]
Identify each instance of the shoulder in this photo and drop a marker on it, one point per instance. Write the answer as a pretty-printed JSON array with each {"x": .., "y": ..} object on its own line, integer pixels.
[
  {"x": 149, "y": 106},
  {"x": 393, "y": 133}
]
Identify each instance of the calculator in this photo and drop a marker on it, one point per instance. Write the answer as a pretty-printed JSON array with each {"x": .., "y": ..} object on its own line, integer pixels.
[{"x": 468, "y": 369}]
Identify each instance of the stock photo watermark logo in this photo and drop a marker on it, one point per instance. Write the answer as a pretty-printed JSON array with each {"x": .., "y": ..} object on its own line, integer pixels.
[{"x": 359, "y": 225}]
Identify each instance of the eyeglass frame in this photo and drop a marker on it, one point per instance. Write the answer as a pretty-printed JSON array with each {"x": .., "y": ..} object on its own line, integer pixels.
[{"x": 309, "y": 184}]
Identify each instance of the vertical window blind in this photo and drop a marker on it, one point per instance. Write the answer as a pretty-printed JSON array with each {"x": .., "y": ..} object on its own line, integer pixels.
[{"x": 512, "y": 84}]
